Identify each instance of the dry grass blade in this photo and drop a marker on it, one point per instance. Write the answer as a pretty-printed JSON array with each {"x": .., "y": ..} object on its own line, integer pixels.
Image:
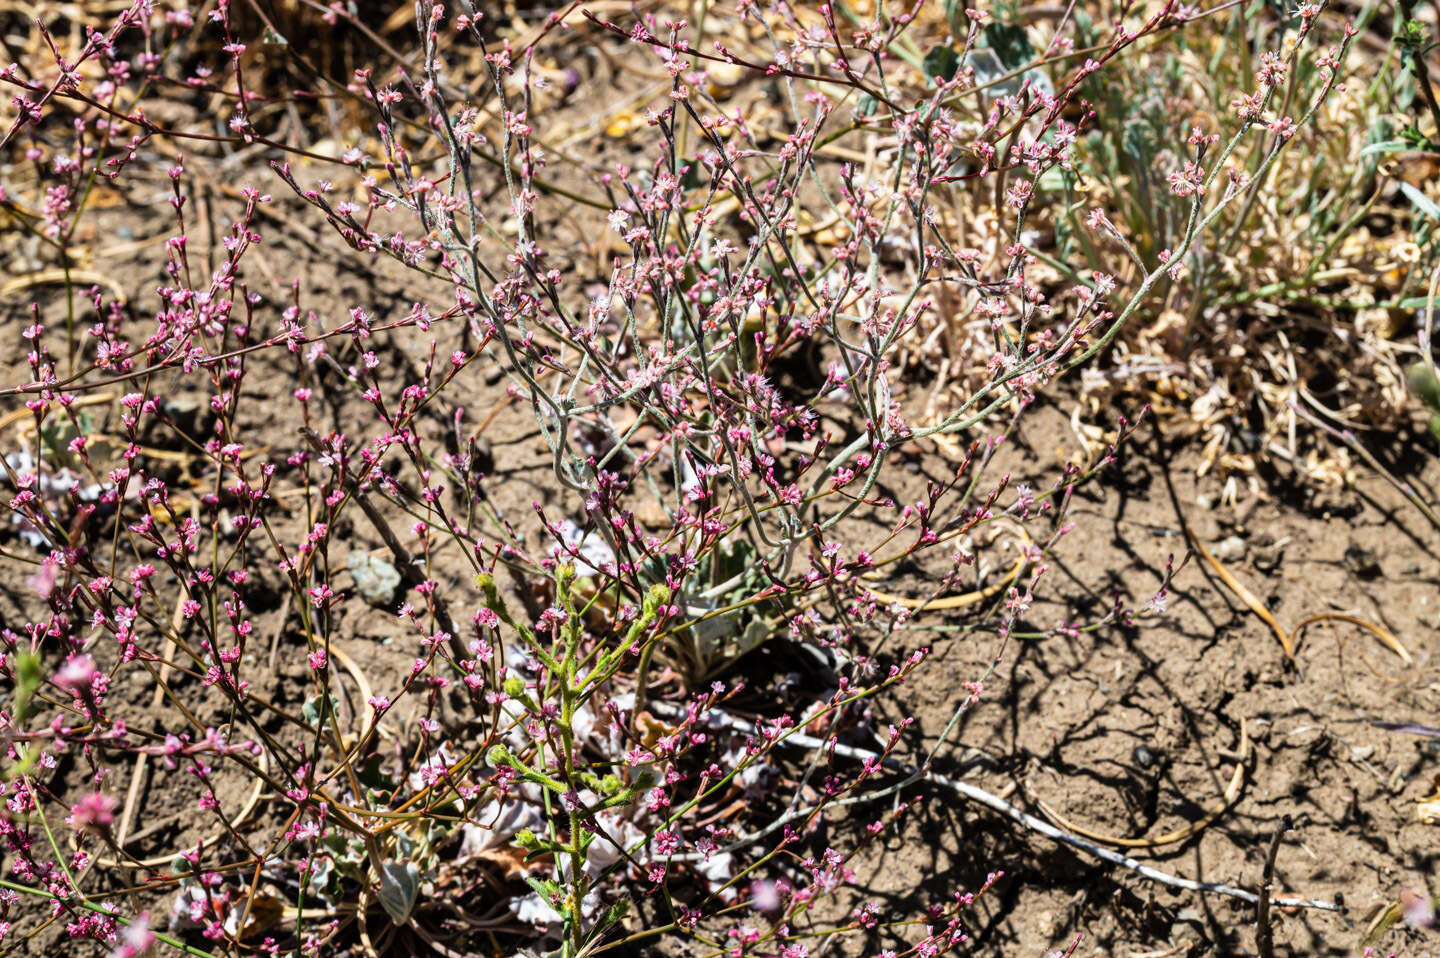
[
  {"x": 1244, "y": 594},
  {"x": 240, "y": 818},
  {"x": 28, "y": 416},
  {"x": 1385, "y": 918},
  {"x": 1289, "y": 639},
  {"x": 964, "y": 600},
  {"x": 1378, "y": 631},
  {"x": 358, "y": 674},
  {"x": 45, "y": 277}
]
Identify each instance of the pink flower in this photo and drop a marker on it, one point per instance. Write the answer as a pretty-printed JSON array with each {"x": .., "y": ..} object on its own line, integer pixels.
[
  {"x": 77, "y": 673},
  {"x": 1189, "y": 181},
  {"x": 136, "y": 939},
  {"x": 43, "y": 582},
  {"x": 1283, "y": 127},
  {"x": 765, "y": 897},
  {"x": 94, "y": 813}
]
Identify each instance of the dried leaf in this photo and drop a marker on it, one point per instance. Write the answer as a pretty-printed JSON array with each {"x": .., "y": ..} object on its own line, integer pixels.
[
  {"x": 1428, "y": 808},
  {"x": 509, "y": 861},
  {"x": 265, "y": 911}
]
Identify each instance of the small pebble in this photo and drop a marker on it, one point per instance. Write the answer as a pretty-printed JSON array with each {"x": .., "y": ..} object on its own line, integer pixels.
[
  {"x": 1143, "y": 757},
  {"x": 1230, "y": 549},
  {"x": 375, "y": 579},
  {"x": 1362, "y": 562},
  {"x": 493, "y": 373},
  {"x": 1268, "y": 553}
]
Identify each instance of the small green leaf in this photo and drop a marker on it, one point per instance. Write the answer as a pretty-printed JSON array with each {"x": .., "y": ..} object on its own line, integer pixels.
[
  {"x": 56, "y": 436},
  {"x": 613, "y": 915},
  {"x": 323, "y": 875},
  {"x": 371, "y": 774},
  {"x": 27, "y": 680},
  {"x": 1425, "y": 386},
  {"x": 694, "y": 176},
  {"x": 1418, "y": 141},
  {"x": 656, "y": 596},
  {"x": 544, "y": 887},
  {"x": 1412, "y": 34}
]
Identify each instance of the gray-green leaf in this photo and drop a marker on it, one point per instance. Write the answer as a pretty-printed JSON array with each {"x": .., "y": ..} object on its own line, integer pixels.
[{"x": 399, "y": 887}]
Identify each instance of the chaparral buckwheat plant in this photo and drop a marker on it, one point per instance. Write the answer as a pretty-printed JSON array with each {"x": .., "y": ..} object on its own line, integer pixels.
[{"x": 299, "y": 659}]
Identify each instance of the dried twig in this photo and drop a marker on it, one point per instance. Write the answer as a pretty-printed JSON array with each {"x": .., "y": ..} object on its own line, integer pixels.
[
  {"x": 998, "y": 804},
  {"x": 1264, "y": 935}
]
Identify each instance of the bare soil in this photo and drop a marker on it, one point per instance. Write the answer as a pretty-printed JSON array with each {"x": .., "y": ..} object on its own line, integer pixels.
[{"x": 1134, "y": 732}]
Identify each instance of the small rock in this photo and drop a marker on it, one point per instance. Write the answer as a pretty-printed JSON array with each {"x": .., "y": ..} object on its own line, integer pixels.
[
  {"x": 1362, "y": 753},
  {"x": 1245, "y": 510},
  {"x": 375, "y": 579},
  {"x": 652, "y": 515},
  {"x": 491, "y": 373},
  {"x": 1267, "y": 553},
  {"x": 1230, "y": 549},
  {"x": 724, "y": 78},
  {"x": 1144, "y": 757},
  {"x": 186, "y": 415},
  {"x": 1362, "y": 562}
]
